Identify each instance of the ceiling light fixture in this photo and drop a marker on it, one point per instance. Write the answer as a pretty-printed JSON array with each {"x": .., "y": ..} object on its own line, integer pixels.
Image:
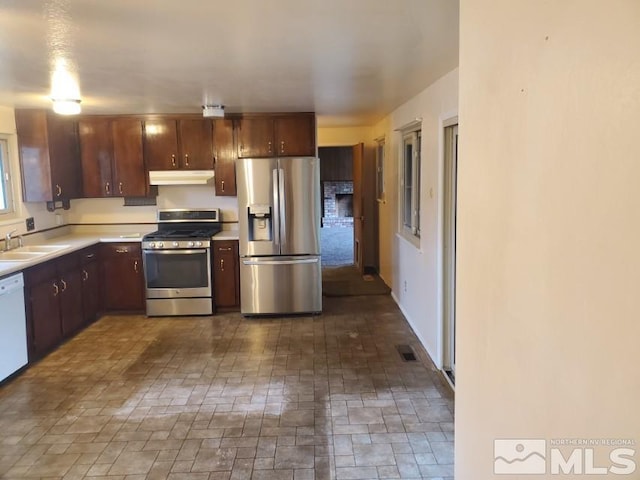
[
  {"x": 66, "y": 106},
  {"x": 216, "y": 111}
]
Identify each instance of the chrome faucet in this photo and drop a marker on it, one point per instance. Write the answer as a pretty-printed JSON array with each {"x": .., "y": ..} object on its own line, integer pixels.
[{"x": 7, "y": 240}]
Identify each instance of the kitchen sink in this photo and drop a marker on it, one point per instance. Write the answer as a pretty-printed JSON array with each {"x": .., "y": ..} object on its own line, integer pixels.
[
  {"x": 30, "y": 252},
  {"x": 40, "y": 248},
  {"x": 13, "y": 256}
]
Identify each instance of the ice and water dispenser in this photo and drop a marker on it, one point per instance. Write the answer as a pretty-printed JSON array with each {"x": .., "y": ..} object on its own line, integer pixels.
[{"x": 260, "y": 223}]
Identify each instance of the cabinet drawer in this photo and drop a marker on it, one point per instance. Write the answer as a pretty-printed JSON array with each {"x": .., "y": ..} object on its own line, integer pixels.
[
  {"x": 120, "y": 249},
  {"x": 88, "y": 255}
]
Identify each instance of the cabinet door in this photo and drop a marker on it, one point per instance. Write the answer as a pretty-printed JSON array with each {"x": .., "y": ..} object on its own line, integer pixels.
[
  {"x": 49, "y": 156},
  {"x": 91, "y": 284},
  {"x": 255, "y": 137},
  {"x": 295, "y": 135},
  {"x": 196, "y": 144},
  {"x": 161, "y": 144},
  {"x": 44, "y": 317},
  {"x": 226, "y": 280},
  {"x": 122, "y": 277},
  {"x": 71, "y": 302},
  {"x": 96, "y": 157},
  {"x": 130, "y": 178},
  {"x": 31, "y": 126},
  {"x": 225, "y": 158},
  {"x": 64, "y": 155}
]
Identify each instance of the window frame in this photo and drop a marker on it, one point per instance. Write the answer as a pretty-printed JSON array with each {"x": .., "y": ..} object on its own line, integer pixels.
[
  {"x": 7, "y": 200},
  {"x": 410, "y": 195}
]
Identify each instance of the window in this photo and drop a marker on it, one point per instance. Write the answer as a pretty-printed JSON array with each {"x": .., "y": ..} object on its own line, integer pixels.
[
  {"x": 380, "y": 169},
  {"x": 6, "y": 200},
  {"x": 411, "y": 182}
]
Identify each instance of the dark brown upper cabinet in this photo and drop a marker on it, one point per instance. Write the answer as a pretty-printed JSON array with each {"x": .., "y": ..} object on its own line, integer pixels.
[
  {"x": 112, "y": 159},
  {"x": 171, "y": 144},
  {"x": 49, "y": 156},
  {"x": 276, "y": 135},
  {"x": 225, "y": 158}
]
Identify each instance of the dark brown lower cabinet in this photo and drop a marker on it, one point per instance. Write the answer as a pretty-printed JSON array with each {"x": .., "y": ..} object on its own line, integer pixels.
[
  {"x": 44, "y": 321},
  {"x": 226, "y": 274},
  {"x": 54, "y": 303},
  {"x": 91, "y": 284},
  {"x": 68, "y": 268},
  {"x": 122, "y": 277}
]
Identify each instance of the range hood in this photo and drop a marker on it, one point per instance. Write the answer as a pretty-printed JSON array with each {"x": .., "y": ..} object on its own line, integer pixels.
[{"x": 181, "y": 177}]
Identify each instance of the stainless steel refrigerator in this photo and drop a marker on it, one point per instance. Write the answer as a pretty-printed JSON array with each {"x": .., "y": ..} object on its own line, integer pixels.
[{"x": 279, "y": 217}]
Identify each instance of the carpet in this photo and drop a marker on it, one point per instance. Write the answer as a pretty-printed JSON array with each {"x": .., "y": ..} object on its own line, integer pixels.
[{"x": 347, "y": 281}]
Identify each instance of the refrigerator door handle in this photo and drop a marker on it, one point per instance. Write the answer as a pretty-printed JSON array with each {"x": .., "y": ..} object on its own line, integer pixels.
[
  {"x": 276, "y": 208},
  {"x": 281, "y": 262},
  {"x": 282, "y": 215}
]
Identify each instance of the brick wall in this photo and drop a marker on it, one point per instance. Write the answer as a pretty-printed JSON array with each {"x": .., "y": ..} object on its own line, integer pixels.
[{"x": 330, "y": 216}]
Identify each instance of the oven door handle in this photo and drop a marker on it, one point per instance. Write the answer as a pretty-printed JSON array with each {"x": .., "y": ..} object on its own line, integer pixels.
[{"x": 175, "y": 252}]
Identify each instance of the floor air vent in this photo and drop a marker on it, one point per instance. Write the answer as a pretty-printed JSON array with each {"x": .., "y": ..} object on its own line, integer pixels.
[{"x": 406, "y": 353}]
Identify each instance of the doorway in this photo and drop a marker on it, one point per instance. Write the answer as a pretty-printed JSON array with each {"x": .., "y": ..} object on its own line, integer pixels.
[
  {"x": 336, "y": 182},
  {"x": 449, "y": 248}
]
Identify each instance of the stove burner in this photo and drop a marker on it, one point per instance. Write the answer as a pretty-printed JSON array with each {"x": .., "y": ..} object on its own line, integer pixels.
[{"x": 177, "y": 233}]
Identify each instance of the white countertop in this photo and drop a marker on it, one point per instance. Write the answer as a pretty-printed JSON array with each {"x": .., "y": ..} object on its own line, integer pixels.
[
  {"x": 226, "y": 235},
  {"x": 72, "y": 243},
  {"x": 78, "y": 241}
]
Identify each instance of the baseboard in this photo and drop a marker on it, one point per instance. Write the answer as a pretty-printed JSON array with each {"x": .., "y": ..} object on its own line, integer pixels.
[{"x": 415, "y": 330}]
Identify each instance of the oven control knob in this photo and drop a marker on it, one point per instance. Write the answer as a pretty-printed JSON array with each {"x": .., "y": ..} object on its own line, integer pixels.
[
  {"x": 160, "y": 244},
  {"x": 152, "y": 244},
  {"x": 198, "y": 244},
  {"x": 175, "y": 244},
  {"x": 190, "y": 244}
]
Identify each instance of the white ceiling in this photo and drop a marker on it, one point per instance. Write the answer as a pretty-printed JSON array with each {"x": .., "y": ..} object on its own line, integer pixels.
[{"x": 351, "y": 61}]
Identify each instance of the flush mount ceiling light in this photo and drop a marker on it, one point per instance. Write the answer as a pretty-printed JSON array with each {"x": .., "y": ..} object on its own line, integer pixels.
[
  {"x": 216, "y": 111},
  {"x": 66, "y": 106},
  {"x": 65, "y": 91}
]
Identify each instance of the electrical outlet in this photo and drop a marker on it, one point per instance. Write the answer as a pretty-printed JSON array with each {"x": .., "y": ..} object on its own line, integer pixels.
[
  {"x": 405, "y": 286},
  {"x": 31, "y": 224}
]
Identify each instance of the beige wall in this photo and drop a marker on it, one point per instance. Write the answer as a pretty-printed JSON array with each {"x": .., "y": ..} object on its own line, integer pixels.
[
  {"x": 344, "y": 136},
  {"x": 549, "y": 225},
  {"x": 414, "y": 272}
]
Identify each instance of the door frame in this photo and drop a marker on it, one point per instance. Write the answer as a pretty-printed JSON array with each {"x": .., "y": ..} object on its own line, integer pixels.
[{"x": 449, "y": 210}]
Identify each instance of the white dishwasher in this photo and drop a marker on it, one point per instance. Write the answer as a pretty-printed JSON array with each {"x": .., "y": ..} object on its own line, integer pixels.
[{"x": 13, "y": 325}]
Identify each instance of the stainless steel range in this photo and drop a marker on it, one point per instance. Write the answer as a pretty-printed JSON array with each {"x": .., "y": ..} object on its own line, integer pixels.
[{"x": 177, "y": 262}]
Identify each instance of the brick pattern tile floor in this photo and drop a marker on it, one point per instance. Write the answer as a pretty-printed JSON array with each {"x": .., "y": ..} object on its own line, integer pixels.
[{"x": 223, "y": 397}]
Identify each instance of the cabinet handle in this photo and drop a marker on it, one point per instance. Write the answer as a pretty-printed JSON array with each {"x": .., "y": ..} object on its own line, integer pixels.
[
  {"x": 58, "y": 190},
  {"x": 107, "y": 188},
  {"x": 173, "y": 160},
  {"x": 215, "y": 159},
  {"x": 90, "y": 255},
  {"x": 120, "y": 188},
  {"x": 222, "y": 183},
  {"x": 270, "y": 147},
  {"x": 186, "y": 159},
  {"x": 85, "y": 275},
  {"x": 222, "y": 265},
  {"x": 226, "y": 249},
  {"x": 241, "y": 147},
  {"x": 282, "y": 146},
  {"x": 64, "y": 284},
  {"x": 56, "y": 290},
  {"x": 135, "y": 266},
  {"x": 122, "y": 250}
]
